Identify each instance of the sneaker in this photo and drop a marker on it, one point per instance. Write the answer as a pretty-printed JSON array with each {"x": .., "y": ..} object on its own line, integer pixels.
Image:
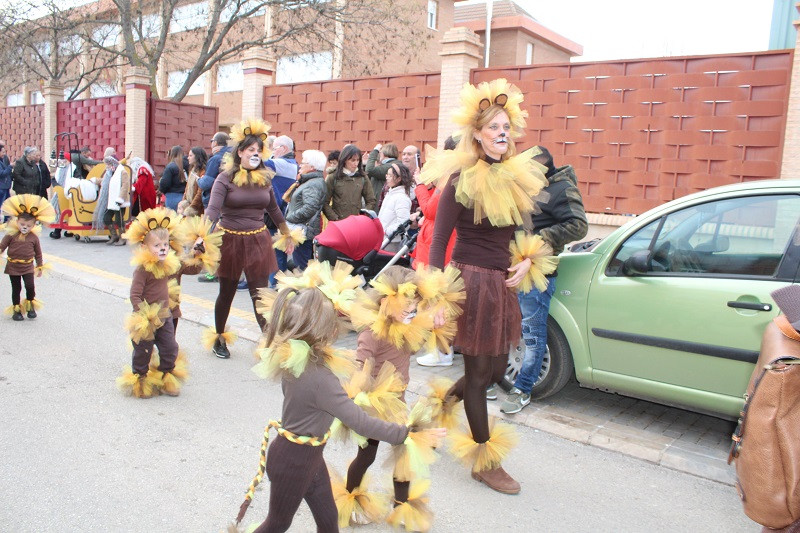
[
  {"x": 515, "y": 401},
  {"x": 359, "y": 519},
  {"x": 435, "y": 359},
  {"x": 17, "y": 316},
  {"x": 220, "y": 350},
  {"x": 207, "y": 278},
  {"x": 491, "y": 392},
  {"x": 242, "y": 286}
]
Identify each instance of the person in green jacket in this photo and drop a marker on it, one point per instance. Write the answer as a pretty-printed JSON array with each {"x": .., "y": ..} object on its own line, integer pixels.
[{"x": 348, "y": 187}]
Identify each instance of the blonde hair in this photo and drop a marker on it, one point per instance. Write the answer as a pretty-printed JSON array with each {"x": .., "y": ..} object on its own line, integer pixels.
[
  {"x": 469, "y": 142},
  {"x": 305, "y": 315}
]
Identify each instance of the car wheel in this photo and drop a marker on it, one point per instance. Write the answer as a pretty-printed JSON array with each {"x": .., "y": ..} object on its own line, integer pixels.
[{"x": 557, "y": 365}]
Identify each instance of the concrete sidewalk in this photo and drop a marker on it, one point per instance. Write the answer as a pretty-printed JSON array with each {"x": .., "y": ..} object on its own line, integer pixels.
[{"x": 677, "y": 439}]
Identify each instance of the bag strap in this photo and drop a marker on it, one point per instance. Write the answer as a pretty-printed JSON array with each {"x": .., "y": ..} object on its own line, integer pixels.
[{"x": 786, "y": 327}]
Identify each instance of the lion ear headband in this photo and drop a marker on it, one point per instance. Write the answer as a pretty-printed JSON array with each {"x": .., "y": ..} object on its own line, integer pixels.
[
  {"x": 248, "y": 131},
  {"x": 500, "y": 99}
]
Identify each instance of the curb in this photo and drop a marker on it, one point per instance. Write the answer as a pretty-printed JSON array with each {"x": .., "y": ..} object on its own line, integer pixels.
[{"x": 578, "y": 427}]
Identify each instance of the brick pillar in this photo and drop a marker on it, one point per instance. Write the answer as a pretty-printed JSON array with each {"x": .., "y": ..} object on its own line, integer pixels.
[
  {"x": 53, "y": 93},
  {"x": 461, "y": 52},
  {"x": 137, "y": 93},
  {"x": 258, "y": 67},
  {"x": 790, "y": 166}
]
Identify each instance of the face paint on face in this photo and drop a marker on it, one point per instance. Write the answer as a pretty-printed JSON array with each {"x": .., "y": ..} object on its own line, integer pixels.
[
  {"x": 25, "y": 226},
  {"x": 493, "y": 136},
  {"x": 159, "y": 247},
  {"x": 254, "y": 160}
]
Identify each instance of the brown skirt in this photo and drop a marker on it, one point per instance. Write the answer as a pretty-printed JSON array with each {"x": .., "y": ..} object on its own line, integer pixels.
[
  {"x": 251, "y": 254},
  {"x": 491, "y": 322}
]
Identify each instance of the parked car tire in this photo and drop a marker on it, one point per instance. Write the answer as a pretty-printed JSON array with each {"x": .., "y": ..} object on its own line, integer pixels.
[{"x": 557, "y": 367}]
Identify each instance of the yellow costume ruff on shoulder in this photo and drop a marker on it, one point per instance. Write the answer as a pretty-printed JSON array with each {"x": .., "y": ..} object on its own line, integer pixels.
[
  {"x": 143, "y": 257},
  {"x": 210, "y": 336},
  {"x": 281, "y": 240},
  {"x": 293, "y": 356},
  {"x": 413, "y": 514},
  {"x": 192, "y": 228},
  {"x": 242, "y": 177},
  {"x": 372, "y": 505},
  {"x": 486, "y": 455},
  {"x": 33, "y": 204},
  {"x": 502, "y": 192},
  {"x": 148, "y": 220},
  {"x": 142, "y": 324},
  {"x": 543, "y": 262}
]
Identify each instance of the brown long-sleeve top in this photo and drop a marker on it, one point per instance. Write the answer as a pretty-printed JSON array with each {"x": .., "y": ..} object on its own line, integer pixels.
[
  {"x": 241, "y": 208},
  {"x": 188, "y": 270},
  {"x": 381, "y": 351},
  {"x": 25, "y": 248},
  {"x": 313, "y": 400},
  {"x": 481, "y": 245}
]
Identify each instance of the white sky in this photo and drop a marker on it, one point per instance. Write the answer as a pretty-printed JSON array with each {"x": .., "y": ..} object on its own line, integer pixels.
[{"x": 622, "y": 29}]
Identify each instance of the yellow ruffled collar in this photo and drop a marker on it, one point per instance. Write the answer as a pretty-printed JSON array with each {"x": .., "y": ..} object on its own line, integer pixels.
[
  {"x": 502, "y": 192},
  {"x": 293, "y": 356},
  {"x": 241, "y": 177},
  {"x": 142, "y": 257}
]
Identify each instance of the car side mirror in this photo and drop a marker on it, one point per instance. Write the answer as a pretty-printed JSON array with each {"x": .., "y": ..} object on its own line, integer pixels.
[{"x": 637, "y": 264}]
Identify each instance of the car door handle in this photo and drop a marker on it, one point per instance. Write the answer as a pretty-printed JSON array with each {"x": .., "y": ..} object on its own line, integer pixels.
[{"x": 758, "y": 306}]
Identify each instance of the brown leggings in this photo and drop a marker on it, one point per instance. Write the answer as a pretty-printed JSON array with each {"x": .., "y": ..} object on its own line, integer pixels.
[
  {"x": 364, "y": 458},
  {"x": 227, "y": 290},
  {"x": 479, "y": 372},
  {"x": 297, "y": 472}
]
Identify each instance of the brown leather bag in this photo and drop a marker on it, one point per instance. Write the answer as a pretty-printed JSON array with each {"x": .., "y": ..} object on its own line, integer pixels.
[{"x": 766, "y": 444}]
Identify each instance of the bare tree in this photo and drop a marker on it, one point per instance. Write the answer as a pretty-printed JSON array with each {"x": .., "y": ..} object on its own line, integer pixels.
[
  {"x": 195, "y": 37},
  {"x": 85, "y": 42},
  {"x": 42, "y": 41}
]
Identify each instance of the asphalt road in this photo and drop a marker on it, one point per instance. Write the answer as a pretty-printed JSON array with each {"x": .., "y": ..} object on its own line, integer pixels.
[{"x": 79, "y": 456}]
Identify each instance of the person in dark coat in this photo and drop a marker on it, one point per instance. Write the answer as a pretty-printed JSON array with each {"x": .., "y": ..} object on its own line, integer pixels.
[
  {"x": 27, "y": 174},
  {"x": 5, "y": 174}
]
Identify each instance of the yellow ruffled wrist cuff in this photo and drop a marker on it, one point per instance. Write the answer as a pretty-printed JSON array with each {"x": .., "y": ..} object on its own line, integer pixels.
[
  {"x": 295, "y": 236},
  {"x": 543, "y": 262}
]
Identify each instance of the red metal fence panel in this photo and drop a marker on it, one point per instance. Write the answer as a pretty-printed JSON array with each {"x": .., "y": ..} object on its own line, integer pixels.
[
  {"x": 326, "y": 115},
  {"x": 98, "y": 122},
  {"x": 20, "y": 127},
  {"x": 176, "y": 123},
  {"x": 643, "y": 132}
]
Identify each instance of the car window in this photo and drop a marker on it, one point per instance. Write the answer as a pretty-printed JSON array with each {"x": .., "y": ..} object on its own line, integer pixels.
[{"x": 740, "y": 236}]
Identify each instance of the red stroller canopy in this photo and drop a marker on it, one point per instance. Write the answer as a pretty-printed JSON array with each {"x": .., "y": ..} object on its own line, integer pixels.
[{"x": 354, "y": 236}]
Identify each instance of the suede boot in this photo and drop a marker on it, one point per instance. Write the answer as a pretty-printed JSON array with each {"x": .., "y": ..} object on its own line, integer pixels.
[
  {"x": 497, "y": 479},
  {"x": 113, "y": 235}
]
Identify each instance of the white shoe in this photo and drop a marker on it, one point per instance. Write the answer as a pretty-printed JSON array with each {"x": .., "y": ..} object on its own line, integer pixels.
[
  {"x": 359, "y": 519},
  {"x": 435, "y": 359}
]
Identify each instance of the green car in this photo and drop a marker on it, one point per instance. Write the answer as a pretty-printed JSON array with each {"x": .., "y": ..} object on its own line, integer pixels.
[{"x": 671, "y": 306}]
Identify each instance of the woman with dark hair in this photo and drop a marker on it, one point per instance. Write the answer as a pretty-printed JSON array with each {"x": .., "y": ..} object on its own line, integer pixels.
[
  {"x": 486, "y": 190},
  {"x": 173, "y": 180},
  {"x": 347, "y": 186},
  {"x": 239, "y": 197},
  {"x": 396, "y": 206},
  {"x": 193, "y": 196}
]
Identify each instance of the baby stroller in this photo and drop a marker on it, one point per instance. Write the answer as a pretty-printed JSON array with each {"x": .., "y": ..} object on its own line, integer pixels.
[{"x": 359, "y": 241}]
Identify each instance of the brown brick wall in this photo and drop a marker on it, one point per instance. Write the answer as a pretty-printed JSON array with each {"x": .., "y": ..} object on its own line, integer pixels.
[
  {"x": 643, "y": 132},
  {"x": 20, "y": 127},
  {"x": 365, "y": 111},
  {"x": 98, "y": 122},
  {"x": 176, "y": 123}
]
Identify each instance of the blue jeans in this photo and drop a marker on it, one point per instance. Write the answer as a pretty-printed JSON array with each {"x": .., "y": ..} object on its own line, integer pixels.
[
  {"x": 4, "y": 195},
  {"x": 535, "y": 306},
  {"x": 303, "y": 253},
  {"x": 172, "y": 199}
]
